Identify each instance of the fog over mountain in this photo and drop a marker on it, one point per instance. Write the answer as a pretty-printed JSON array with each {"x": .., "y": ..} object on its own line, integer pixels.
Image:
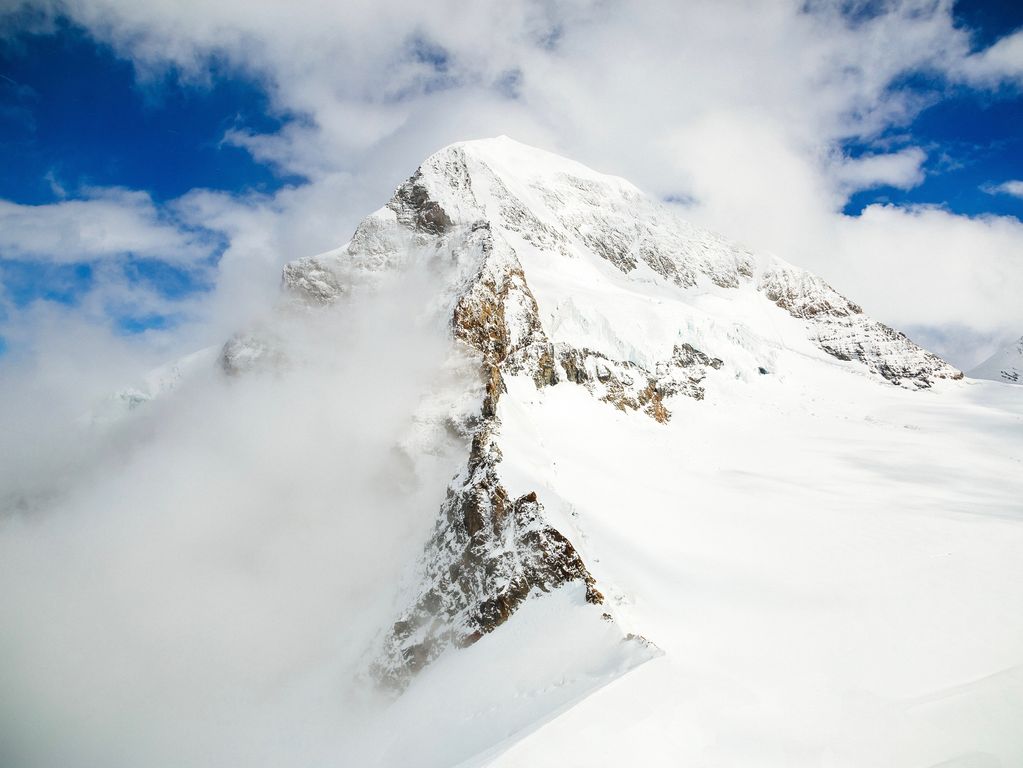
[
  {"x": 860, "y": 140},
  {"x": 530, "y": 471}
]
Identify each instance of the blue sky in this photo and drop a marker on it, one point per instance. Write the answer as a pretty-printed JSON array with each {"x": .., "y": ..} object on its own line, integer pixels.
[
  {"x": 91, "y": 110},
  {"x": 975, "y": 139},
  {"x": 74, "y": 117},
  {"x": 975, "y": 136}
]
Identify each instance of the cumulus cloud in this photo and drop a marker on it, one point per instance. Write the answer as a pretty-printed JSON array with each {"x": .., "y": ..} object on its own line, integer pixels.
[
  {"x": 1013, "y": 187},
  {"x": 109, "y": 222},
  {"x": 226, "y": 554},
  {"x": 742, "y": 109},
  {"x": 144, "y": 263},
  {"x": 903, "y": 170},
  {"x": 1002, "y": 62},
  {"x": 937, "y": 266}
]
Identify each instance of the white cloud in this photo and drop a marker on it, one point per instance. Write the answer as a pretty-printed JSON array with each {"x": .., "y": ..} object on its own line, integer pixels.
[
  {"x": 108, "y": 223},
  {"x": 903, "y": 170},
  {"x": 226, "y": 555},
  {"x": 1013, "y": 187},
  {"x": 1002, "y": 62},
  {"x": 743, "y": 108},
  {"x": 924, "y": 265}
]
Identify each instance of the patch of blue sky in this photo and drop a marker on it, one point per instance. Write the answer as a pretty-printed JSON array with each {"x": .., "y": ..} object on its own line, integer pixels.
[
  {"x": 72, "y": 116},
  {"x": 988, "y": 20},
  {"x": 974, "y": 142},
  {"x": 166, "y": 280},
  {"x": 128, "y": 325},
  {"x": 27, "y": 281},
  {"x": 973, "y": 138}
]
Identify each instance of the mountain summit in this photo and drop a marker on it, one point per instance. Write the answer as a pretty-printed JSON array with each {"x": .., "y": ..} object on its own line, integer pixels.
[
  {"x": 569, "y": 251},
  {"x": 551, "y": 275},
  {"x": 699, "y": 507}
]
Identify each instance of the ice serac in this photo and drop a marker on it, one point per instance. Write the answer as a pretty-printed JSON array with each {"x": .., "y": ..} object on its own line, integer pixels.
[
  {"x": 558, "y": 276},
  {"x": 1004, "y": 365}
]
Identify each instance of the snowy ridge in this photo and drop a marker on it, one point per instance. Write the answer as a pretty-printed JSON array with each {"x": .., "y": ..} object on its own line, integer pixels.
[
  {"x": 558, "y": 216},
  {"x": 548, "y": 267},
  {"x": 1005, "y": 365},
  {"x": 842, "y": 330},
  {"x": 651, "y": 432}
]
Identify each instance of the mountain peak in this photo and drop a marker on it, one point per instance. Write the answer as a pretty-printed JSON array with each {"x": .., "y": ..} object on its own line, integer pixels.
[
  {"x": 586, "y": 241},
  {"x": 547, "y": 272},
  {"x": 513, "y": 158}
]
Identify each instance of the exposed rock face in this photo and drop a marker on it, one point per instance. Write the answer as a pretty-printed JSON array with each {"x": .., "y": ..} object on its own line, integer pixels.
[
  {"x": 497, "y": 315},
  {"x": 841, "y": 329},
  {"x": 250, "y": 351},
  {"x": 487, "y": 554},
  {"x": 629, "y": 386},
  {"x": 414, "y": 208},
  {"x": 884, "y": 351},
  {"x": 313, "y": 281}
]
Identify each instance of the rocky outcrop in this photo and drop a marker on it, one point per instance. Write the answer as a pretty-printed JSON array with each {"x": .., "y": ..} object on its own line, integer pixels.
[
  {"x": 414, "y": 208},
  {"x": 245, "y": 352},
  {"x": 487, "y": 554},
  {"x": 313, "y": 280},
  {"x": 839, "y": 327},
  {"x": 629, "y": 386},
  {"x": 883, "y": 350}
]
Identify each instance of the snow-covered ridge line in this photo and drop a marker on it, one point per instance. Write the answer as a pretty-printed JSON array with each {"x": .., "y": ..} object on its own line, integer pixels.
[
  {"x": 564, "y": 212},
  {"x": 1004, "y": 365},
  {"x": 501, "y": 213},
  {"x": 553, "y": 272}
]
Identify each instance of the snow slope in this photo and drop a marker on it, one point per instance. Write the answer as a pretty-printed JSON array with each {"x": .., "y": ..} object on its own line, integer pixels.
[
  {"x": 1004, "y": 365},
  {"x": 702, "y": 510},
  {"x": 827, "y": 563},
  {"x": 830, "y": 567}
]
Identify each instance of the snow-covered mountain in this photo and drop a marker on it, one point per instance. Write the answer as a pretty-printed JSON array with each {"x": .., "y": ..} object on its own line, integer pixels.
[
  {"x": 557, "y": 275},
  {"x": 1004, "y": 365},
  {"x": 703, "y": 510}
]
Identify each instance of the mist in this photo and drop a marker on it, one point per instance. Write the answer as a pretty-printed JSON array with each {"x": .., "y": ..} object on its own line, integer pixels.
[{"x": 199, "y": 581}]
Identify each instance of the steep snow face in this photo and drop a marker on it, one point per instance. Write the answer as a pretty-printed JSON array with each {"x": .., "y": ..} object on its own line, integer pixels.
[{"x": 1004, "y": 365}]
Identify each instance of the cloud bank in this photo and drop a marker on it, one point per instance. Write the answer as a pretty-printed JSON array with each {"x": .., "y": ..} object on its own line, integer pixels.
[
  {"x": 197, "y": 583},
  {"x": 741, "y": 110}
]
